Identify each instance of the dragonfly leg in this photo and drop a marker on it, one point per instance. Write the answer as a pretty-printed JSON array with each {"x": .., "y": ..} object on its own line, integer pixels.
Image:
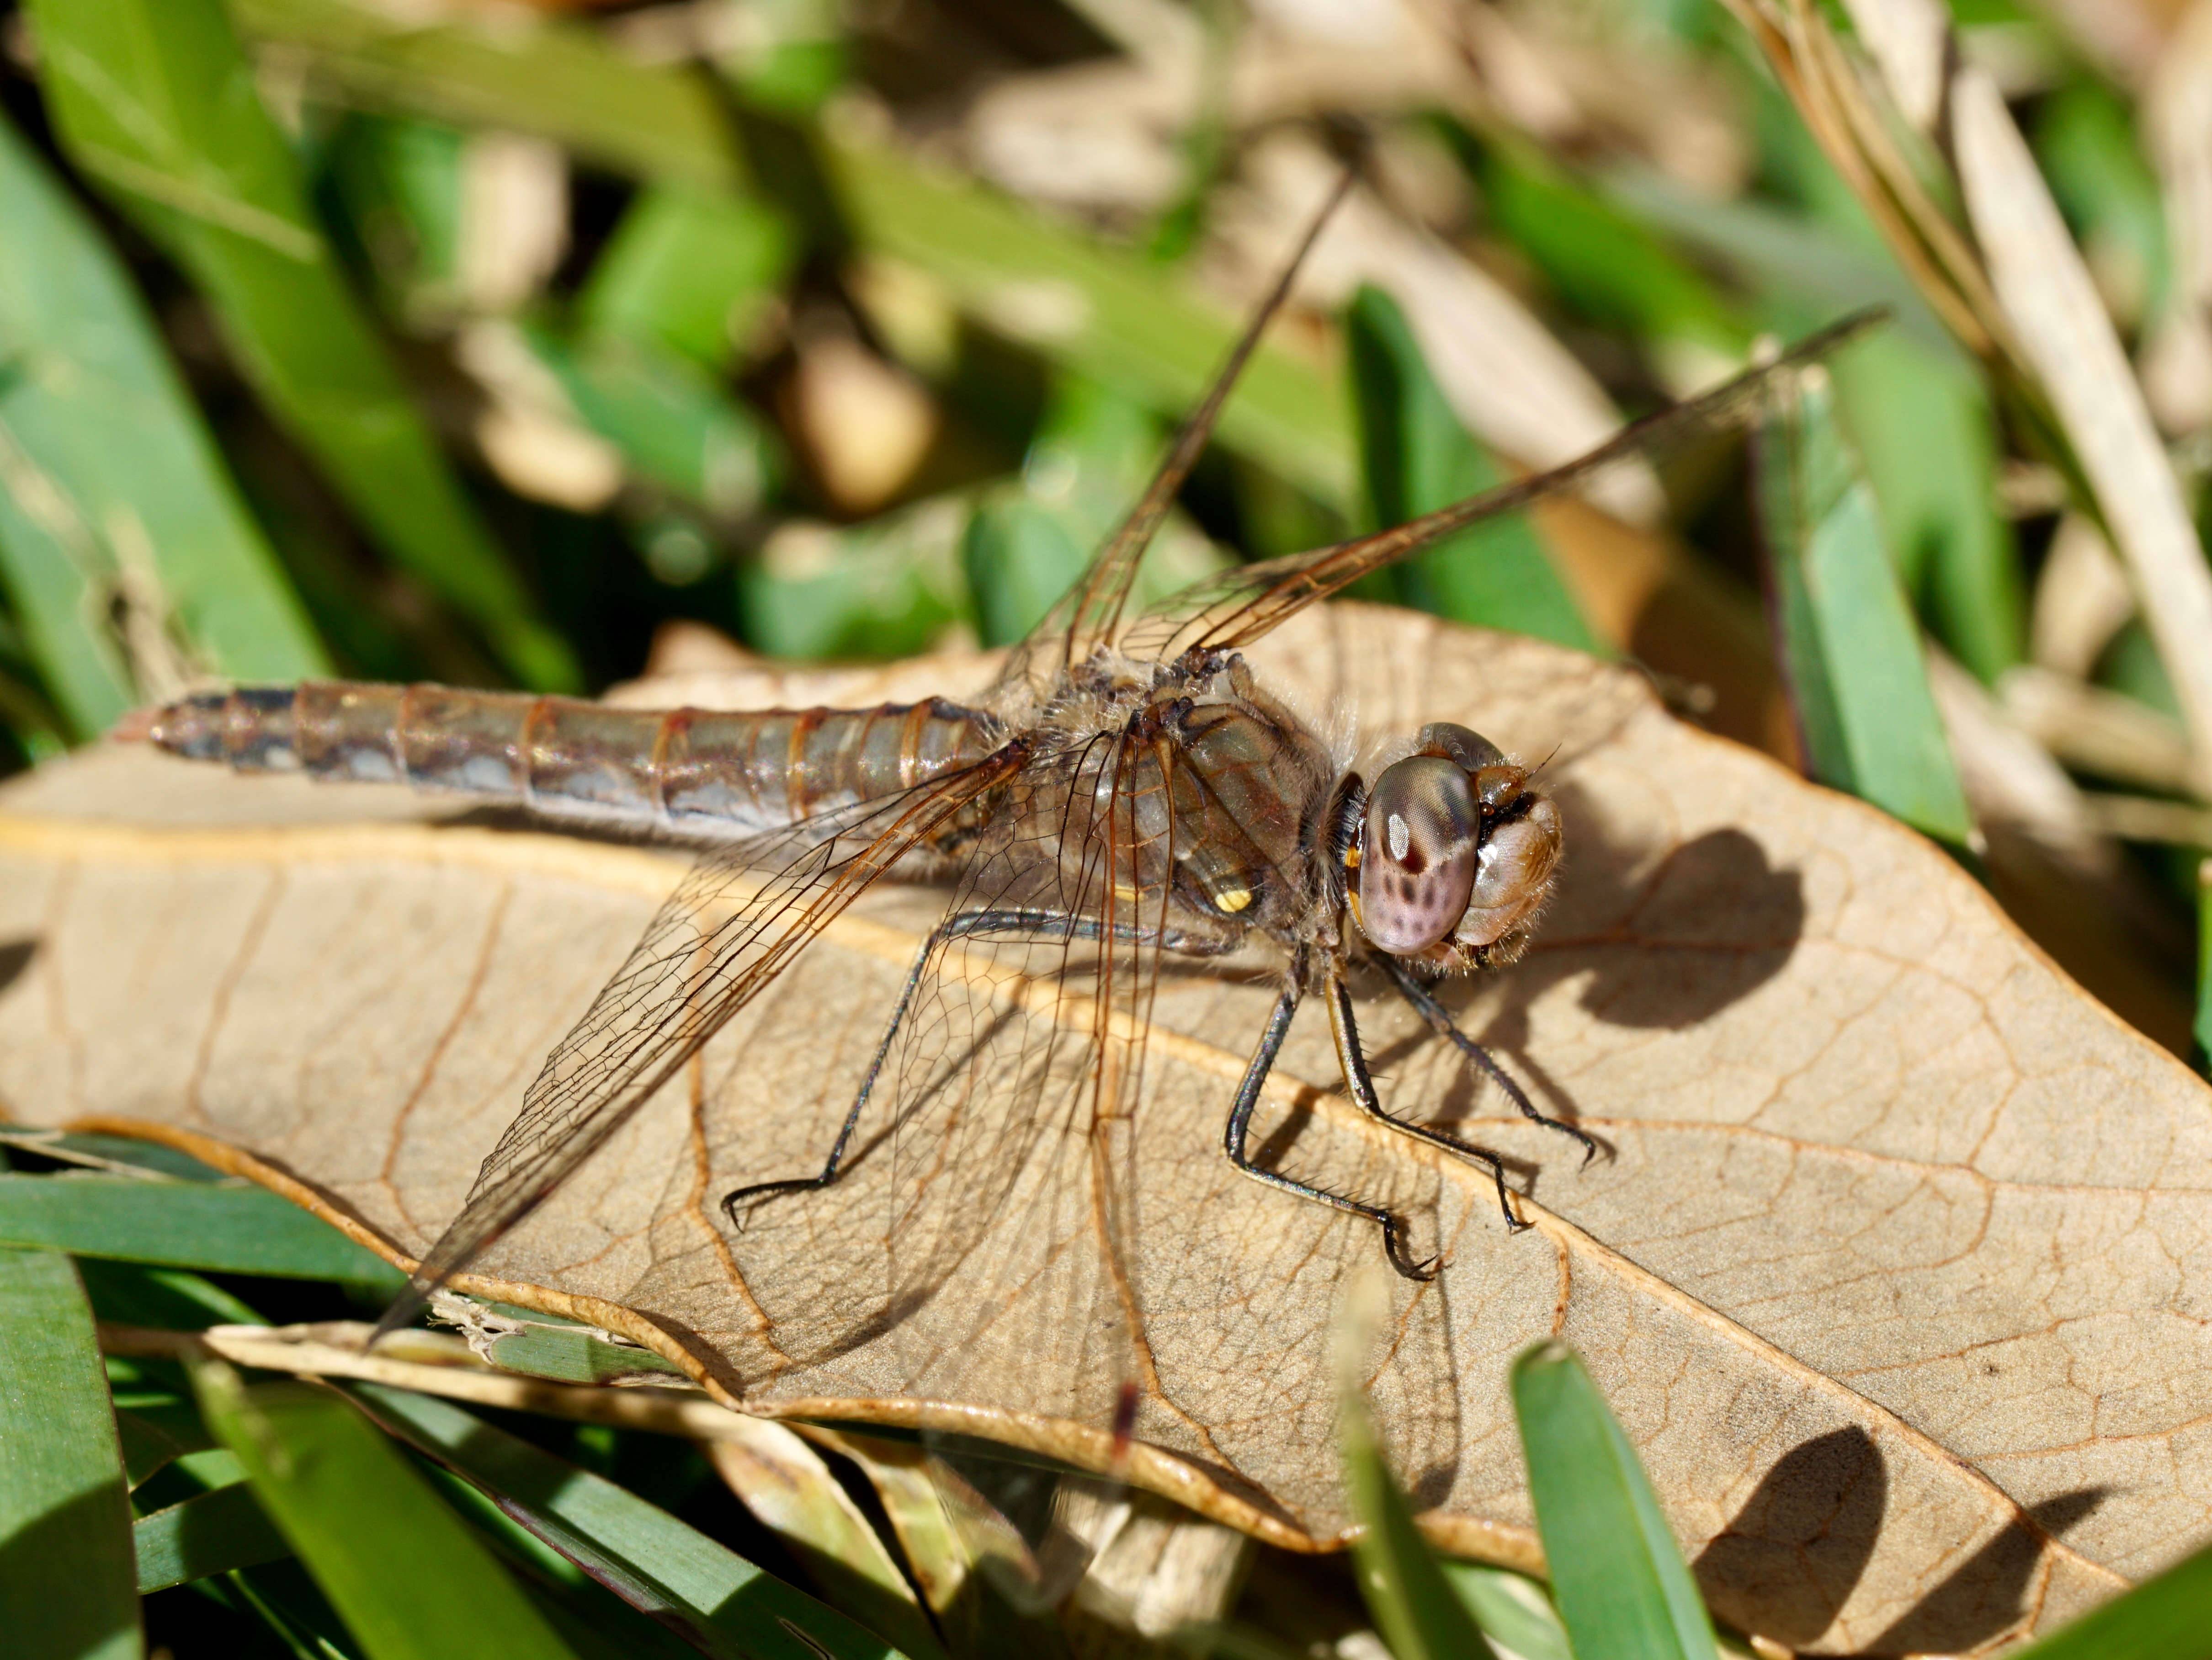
[
  {"x": 1361, "y": 1083},
  {"x": 969, "y": 925},
  {"x": 1440, "y": 1021},
  {"x": 1240, "y": 1123}
]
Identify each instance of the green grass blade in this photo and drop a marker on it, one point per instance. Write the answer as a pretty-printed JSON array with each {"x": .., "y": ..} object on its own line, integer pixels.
[
  {"x": 1018, "y": 556},
  {"x": 154, "y": 99},
  {"x": 1618, "y": 1576},
  {"x": 672, "y": 422},
  {"x": 401, "y": 188},
  {"x": 1512, "y": 1610},
  {"x": 570, "y": 1353},
  {"x": 1415, "y": 1608},
  {"x": 889, "y": 586},
  {"x": 1415, "y": 456},
  {"x": 690, "y": 272},
  {"x": 64, "y": 1512},
  {"x": 1605, "y": 263},
  {"x": 1031, "y": 537},
  {"x": 2168, "y": 1618},
  {"x": 156, "y": 1433},
  {"x": 409, "y": 1579},
  {"x": 183, "y": 1225},
  {"x": 167, "y": 1299},
  {"x": 558, "y": 80},
  {"x": 1922, "y": 426},
  {"x": 1111, "y": 315},
  {"x": 1849, "y": 643},
  {"x": 211, "y": 1533},
  {"x": 86, "y": 522},
  {"x": 112, "y": 1152},
  {"x": 642, "y": 1554},
  {"x": 2095, "y": 162}
]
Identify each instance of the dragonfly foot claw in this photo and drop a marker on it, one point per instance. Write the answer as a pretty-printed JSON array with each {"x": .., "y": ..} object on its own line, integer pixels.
[
  {"x": 1393, "y": 1246},
  {"x": 759, "y": 1191}
]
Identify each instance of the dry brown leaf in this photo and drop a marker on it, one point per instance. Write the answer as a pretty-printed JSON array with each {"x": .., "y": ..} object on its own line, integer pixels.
[{"x": 1897, "y": 1274}]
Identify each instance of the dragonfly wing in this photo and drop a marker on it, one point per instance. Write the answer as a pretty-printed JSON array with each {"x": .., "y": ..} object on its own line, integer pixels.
[
  {"x": 735, "y": 922},
  {"x": 1230, "y": 611},
  {"x": 1090, "y": 613},
  {"x": 995, "y": 1179}
]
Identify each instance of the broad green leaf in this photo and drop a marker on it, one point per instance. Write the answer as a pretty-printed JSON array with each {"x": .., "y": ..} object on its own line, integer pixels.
[
  {"x": 1415, "y": 1606},
  {"x": 92, "y": 530},
  {"x": 1415, "y": 456},
  {"x": 1922, "y": 426},
  {"x": 154, "y": 99},
  {"x": 2168, "y": 1618},
  {"x": 722, "y": 1602},
  {"x": 228, "y": 1230},
  {"x": 408, "y": 1577},
  {"x": 1618, "y": 1576},
  {"x": 67, "y": 1583},
  {"x": 690, "y": 271},
  {"x": 1110, "y": 314},
  {"x": 212, "y": 1533},
  {"x": 1849, "y": 643}
]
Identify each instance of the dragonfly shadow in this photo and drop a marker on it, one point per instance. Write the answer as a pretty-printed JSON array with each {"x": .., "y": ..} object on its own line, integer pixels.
[
  {"x": 1791, "y": 1556},
  {"x": 1789, "y": 1560},
  {"x": 1651, "y": 939},
  {"x": 1987, "y": 1594},
  {"x": 15, "y": 958},
  {"x": 1663, "y": 937}
]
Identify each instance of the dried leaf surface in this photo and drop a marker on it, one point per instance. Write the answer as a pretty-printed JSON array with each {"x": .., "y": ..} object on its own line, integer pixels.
[{"x": 1897, "y": 1273}]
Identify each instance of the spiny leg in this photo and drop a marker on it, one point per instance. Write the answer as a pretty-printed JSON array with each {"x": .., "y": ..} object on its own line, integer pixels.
[
  {"x": 1240, "y": 1122},
  {"x": 1440, "y": 1021},
  {"x": 969, "y": 925},
  {"x": 1353, "y": 1064}
]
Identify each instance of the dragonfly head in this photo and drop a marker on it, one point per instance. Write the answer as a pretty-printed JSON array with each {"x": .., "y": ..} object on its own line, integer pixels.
[{"x": 1456, "y": 852}]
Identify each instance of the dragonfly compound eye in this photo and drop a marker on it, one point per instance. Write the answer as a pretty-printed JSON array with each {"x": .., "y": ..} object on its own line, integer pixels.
[{"x": 1416, "y": 853}]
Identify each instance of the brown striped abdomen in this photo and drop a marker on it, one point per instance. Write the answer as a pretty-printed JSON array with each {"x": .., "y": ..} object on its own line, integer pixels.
[{"x": 680, "y": 769}]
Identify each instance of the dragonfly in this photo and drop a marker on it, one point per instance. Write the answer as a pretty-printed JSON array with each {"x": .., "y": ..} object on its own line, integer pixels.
[{"x": 1125, "y": 794}]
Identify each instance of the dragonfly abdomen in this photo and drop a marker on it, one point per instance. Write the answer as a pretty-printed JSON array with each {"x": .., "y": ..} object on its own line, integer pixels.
[{"x": 701, "y": 768}]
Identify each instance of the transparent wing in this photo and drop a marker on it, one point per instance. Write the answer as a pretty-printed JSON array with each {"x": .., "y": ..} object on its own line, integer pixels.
[
  {"x": 1232, "y": 610},
  {"x": 734, "y": 923},
  {"x": 998, "y": 1185},
  {"x": 1088, "y": 615}
]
